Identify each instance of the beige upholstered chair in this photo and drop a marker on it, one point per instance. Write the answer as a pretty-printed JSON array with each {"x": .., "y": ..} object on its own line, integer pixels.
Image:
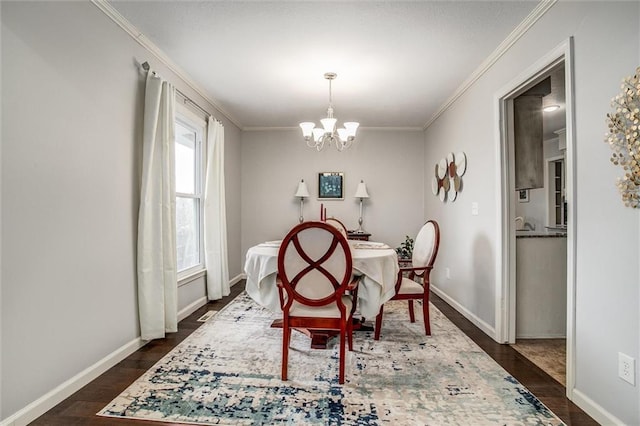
[
  {"x": 338, "y": 225},
  {"x": 415, "y": 285},
  {"x": 315, "y": 285}
]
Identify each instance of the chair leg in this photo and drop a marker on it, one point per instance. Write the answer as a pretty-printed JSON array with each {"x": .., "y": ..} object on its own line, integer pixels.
[
  {"x": 412, "y": 315},
  {"x": 342, "y": 354},
  {"x": 425, "y": 314},
  {"x": 350, "y": 332},
  {"x": 286, "y": 334},
  {"x": 376, "y": 335}
]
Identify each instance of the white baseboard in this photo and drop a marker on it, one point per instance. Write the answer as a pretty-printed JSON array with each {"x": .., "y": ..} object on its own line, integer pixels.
[
  {"x": 235, "y": 280},
  {"x": 191, "y": 308},
  {"x": 69, "y": 387},
  {"x": 486, "y": 328},
  {"x": 542, "y": 336},
  {"x": 593, "y": 409}
]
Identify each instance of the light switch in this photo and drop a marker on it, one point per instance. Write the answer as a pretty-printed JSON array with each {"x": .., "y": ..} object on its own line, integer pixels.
[{"x": 474, "y": 209}]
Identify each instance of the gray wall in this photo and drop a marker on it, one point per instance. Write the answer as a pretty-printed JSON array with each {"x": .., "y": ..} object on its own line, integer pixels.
[
  {"x": 390, "y": 163},
  {"x": 607, "y": 297},
  {"x": 72, "y": 112}
]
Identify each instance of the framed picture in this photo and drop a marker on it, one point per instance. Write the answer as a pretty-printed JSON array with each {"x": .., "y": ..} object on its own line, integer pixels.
[
  {"x": 330, "y": 186},
  {"x": 523, "y": 195}
]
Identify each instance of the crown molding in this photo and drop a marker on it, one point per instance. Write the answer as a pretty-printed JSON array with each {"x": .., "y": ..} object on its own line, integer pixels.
[
  {"x": 515, "y": 35},
  {"x": 394, "y": 129},
  {"x": 391, "y": 129},
  {"x": 139, "y": 37},
  {"x": 263, "y": 129}
]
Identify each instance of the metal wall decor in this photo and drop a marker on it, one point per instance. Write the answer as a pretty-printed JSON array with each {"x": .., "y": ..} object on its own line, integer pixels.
[
  {"x": 447, "y": 182},
  {"x": 623, "y": 137}
]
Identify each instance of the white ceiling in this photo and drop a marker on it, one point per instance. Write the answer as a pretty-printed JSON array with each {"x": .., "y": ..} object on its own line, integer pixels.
[{"x": 263, "y": 61}]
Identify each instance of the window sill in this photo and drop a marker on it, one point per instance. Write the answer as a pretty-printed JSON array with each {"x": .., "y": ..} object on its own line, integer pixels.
[{"x": 192, "y": 276}]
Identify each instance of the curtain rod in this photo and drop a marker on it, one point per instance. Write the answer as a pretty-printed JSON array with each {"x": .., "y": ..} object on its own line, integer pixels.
[{"x": 145, "y": 65}]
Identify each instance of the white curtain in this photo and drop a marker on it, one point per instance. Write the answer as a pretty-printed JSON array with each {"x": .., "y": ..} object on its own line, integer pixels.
[
  {"x": 157, "y": 264},
  {"x": 215, "y": 216}
]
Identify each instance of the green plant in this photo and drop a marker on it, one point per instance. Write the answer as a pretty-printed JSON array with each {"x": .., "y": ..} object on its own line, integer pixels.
[{"x": 405, "y": 250}]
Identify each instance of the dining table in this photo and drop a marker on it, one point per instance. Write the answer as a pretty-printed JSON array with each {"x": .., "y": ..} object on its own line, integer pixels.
[{"x": 376, "y": 262}]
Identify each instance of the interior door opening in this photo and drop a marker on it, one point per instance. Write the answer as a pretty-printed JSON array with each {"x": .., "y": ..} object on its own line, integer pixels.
[{"x": 537, "y": 210}]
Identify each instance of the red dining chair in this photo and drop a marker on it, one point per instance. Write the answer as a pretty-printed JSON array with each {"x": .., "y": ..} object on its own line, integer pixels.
[
  {"x": 413, "y": 281},
  {"x": 315, "y": 285},
  {"x": 336, "y": 223}
]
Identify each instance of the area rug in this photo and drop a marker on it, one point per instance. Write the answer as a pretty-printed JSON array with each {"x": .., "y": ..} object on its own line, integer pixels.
[{"x": 228, "y": 372}]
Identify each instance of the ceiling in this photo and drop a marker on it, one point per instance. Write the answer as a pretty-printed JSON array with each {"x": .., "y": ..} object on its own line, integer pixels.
[{"x": 263, "y": 62}]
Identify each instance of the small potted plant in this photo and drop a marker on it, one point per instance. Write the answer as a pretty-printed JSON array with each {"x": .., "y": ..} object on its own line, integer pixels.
[{"x": 405, "y": 250}]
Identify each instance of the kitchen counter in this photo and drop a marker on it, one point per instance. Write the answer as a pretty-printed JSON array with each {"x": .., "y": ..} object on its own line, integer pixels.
[
  {"x": 545, "y": 233},
  {"x": 541, "y": 285}
]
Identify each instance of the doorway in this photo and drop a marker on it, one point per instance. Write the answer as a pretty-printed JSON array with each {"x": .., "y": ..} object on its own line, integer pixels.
[{"x": 537, "y": 215}]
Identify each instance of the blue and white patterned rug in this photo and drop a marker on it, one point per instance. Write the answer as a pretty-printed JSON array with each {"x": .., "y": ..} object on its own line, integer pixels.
[{"x": 228, "y": 372}]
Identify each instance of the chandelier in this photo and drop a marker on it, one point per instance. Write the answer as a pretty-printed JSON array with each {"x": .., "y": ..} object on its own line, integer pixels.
[{"x": 317, "y": 137}]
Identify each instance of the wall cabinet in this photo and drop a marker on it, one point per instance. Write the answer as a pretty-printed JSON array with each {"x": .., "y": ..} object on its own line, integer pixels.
[{"x": 528, "y": 150}]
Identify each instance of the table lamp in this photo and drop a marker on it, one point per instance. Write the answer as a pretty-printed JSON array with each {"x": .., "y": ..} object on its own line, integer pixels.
[
  {"x": 302, "y": 193},
  {"x": 361, "y": 192}
]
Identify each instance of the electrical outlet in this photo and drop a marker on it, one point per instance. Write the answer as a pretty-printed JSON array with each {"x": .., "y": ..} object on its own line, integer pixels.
[
  {"x": 627, "y": 368},
  {"x": 447, "y": 273},
  {"x": 474, "y": 208}
]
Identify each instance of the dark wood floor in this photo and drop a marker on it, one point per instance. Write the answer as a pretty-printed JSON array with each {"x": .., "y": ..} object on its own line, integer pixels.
[{"x": 80, "y": 408}]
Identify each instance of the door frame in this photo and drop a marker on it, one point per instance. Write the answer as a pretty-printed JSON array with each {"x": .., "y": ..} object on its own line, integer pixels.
[{"x": 506, "y": 241}]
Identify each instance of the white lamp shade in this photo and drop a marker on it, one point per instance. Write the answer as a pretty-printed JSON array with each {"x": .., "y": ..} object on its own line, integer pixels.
[
  {"x": 317, "y": 134},
  {"x": 342, "y": 134},
  {"x": 351, "y": 127},
  {"x": 307, "y": 128},
  {"x": 329, "y": 124},
  {"x": 361, "y": 191},
  {"x": 302, "y": 191}
]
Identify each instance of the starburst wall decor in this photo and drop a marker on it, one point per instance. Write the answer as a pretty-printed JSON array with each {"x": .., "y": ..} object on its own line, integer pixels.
[{"x": 624, "y": 126}]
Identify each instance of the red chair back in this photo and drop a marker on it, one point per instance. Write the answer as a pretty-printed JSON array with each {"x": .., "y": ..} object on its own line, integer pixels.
[
  {"x": 314, "y": 265},
  {"x": 336, "y": 223}
]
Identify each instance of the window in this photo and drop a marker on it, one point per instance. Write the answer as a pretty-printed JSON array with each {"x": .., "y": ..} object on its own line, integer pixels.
[{"x": 190, "y": 131}]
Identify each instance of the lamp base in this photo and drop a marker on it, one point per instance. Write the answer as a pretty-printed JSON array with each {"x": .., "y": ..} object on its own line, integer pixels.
[
  {"x": 301, "y": 218},
  {"x": 360, "y": 230}
]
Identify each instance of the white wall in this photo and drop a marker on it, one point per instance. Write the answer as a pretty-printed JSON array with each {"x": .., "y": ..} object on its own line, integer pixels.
[
  {"x": 390, "y": 163},
  {"x": 71, "y": 149},
  {"x": 233, "y": 179},
  {"x": 607, "y": 299},
  {"x": 1, "y": 234}
]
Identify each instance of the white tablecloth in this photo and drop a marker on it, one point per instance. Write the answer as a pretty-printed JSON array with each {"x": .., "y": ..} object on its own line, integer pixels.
[{"x": 377, "y": 262}]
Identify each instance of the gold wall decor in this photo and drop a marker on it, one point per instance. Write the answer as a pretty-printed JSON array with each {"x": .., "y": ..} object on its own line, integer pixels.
[
  {"x": 447, "y": 182},
  {"x": 624, "y": 126}
]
